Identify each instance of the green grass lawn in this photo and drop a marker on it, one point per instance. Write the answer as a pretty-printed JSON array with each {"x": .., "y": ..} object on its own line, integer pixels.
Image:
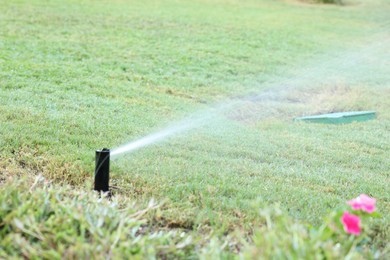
[{"x": 76, "y": 76}]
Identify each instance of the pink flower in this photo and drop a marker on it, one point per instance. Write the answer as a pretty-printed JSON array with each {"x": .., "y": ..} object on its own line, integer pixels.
[
  {"x": 364, "y": 203},
  {"x": 351, "y": 223}
]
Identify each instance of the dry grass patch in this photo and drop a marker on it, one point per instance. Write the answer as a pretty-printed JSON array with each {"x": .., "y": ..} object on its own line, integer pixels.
[
  {"x": 29, "y": 164},
  {"x": 287, "y": 103}
]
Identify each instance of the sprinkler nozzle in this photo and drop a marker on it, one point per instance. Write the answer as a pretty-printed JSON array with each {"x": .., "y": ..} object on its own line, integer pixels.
[{"x": 102, "y": 170}]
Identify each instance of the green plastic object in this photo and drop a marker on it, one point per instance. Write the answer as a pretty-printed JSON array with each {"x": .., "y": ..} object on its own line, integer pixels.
[{"x": 339, "y": 118}]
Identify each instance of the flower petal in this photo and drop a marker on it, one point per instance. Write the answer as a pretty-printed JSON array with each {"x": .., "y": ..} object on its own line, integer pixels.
[
  {"x": 351, "y": 223},
  {"x": 363, "y": 202}
]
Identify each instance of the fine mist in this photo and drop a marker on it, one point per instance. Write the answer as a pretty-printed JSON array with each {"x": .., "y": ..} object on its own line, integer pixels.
[{"x": 326, "y": 78}]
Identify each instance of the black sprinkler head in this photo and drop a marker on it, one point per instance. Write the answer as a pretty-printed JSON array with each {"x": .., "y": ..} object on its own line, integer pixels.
[{"x": 102, "y": 170}]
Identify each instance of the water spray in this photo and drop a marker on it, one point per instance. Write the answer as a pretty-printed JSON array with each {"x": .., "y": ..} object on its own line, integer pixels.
[
  {"x": 274, "y": 90},
  {"x": 102, "y": 170}
]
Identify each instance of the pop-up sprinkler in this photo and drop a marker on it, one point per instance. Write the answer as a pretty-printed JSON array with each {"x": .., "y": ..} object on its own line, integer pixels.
[{"x": 102, "y": 170}]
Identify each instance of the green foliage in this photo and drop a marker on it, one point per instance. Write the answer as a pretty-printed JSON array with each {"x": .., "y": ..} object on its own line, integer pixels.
[
  {"x": 46, "y": 221},
  {"x": 280, "y": 238},
  {"x": 52, "y": 222},
  {"x": 39, "y": 219}
]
